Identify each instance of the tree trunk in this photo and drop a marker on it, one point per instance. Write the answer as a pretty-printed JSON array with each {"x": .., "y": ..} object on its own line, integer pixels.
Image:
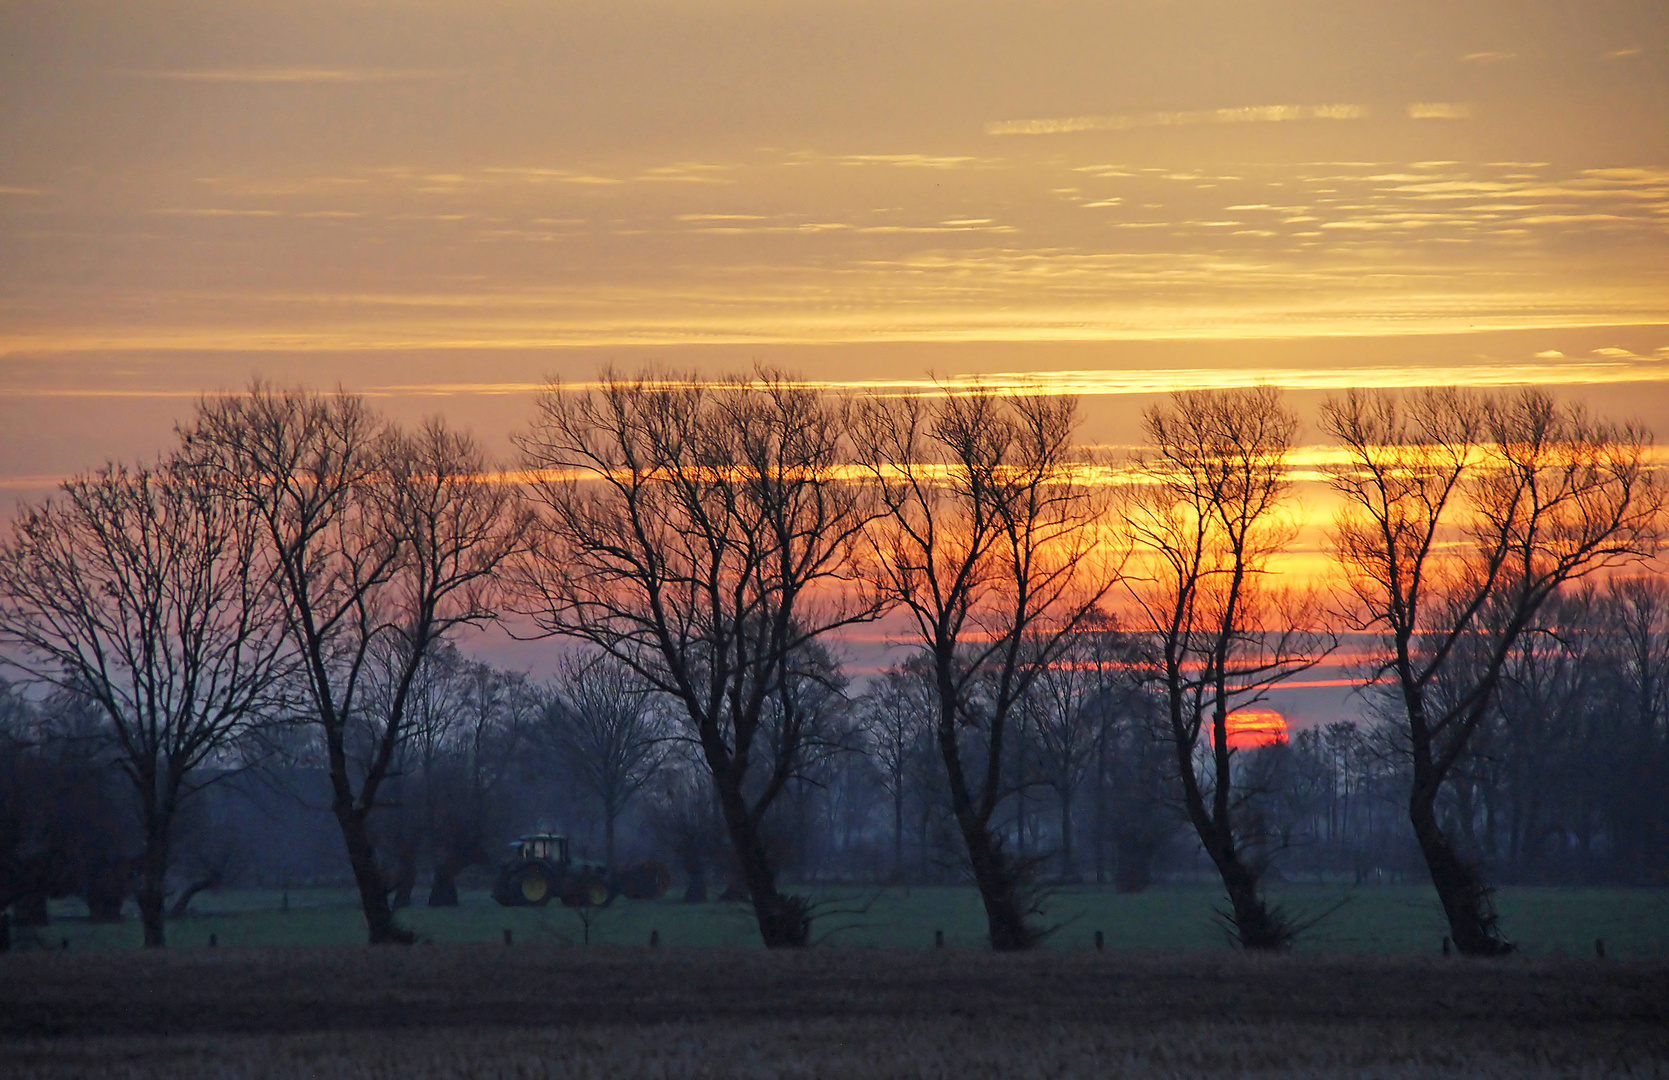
[
  {"x": 405, "y": 875},
  {"x": 152, "y": 892},
  {"x": 608, "y": 837},
  {"x": 380, "y": 926},
  {"x": 898, "y": 832},
  {"x": 695, "y": 889},
  {"x": 1255, "y": 924},
  {"x": 1467, "y": 901},
  {"x": 999, "y": 888},
  {"x": 1069, "y": 867},
  {"x": 444, "y": 890},
  {"x": 1100, "y": 855},
  {"x": 784, "y": 921},
  {"x": 994, "y": 874},
  {"x": 107, "y": 888},
  {"x": 1133, "y": 871}
]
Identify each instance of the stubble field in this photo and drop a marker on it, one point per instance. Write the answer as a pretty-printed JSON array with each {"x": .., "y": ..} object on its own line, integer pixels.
[{"x": 542, "y": 1011}]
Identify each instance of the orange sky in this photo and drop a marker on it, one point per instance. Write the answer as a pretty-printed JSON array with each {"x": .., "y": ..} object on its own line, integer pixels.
[{"x": 443, "y": 203}]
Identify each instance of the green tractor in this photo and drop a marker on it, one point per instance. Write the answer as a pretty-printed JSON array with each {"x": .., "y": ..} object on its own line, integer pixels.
[{"x": 542, "y": 868}]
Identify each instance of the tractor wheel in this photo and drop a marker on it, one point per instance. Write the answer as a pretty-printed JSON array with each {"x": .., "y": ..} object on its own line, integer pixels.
[
  {"x": 587, "y": 890},
  {"x": 534, "y": 886}
]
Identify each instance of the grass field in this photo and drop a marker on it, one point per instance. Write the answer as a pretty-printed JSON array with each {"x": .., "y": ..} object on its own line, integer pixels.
[
  {"x": 456, "y": 1011},
  {"x": 1386, "y": 920}
]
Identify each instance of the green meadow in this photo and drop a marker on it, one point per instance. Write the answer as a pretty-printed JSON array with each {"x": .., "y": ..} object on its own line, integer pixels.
[{"x": 1381, "y": 919}]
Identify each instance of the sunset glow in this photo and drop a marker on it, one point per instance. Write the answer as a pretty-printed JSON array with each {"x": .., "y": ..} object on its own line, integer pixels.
[{"x": 1249, "y": 729}]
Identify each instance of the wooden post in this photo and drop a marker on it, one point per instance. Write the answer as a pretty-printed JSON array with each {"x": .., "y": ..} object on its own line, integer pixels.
[
  {"x": 1599, "y": 947},
  {"x": 214, "y": 940},
  {"x": 654, "y": 939},
  {"x": 1100, "y": 942},
  {"x": 507, "y": 936},
  {"x": 938, "y": 939},
  {"x": 1445, "y": 946}
]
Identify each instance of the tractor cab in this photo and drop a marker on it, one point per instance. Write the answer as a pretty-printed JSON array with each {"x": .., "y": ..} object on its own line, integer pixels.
[{"x": 546, "y": 846}]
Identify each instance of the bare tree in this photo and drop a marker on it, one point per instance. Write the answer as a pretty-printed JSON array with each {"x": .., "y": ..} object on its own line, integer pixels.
[
  {"x": 1639, "y": 620},
  {"x": 1207, "y": 514},
  {"x": 497, "y": 716},
  {"x": 469, "y": 724},
  {"x": 703, "y": 535},
  {"x": 895, "y": 713},
  {"x": 381, "y": 543},
  {"x": 140, "y": 592},
  {"x": 1463, "y": 515},
  {"x": 992, "y": 543},
  {"x": 1076, "y": 695},
  {"x": 604, "y": 727}
]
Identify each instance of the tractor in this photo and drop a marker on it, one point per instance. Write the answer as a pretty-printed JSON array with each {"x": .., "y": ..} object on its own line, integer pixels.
[{"x": 542, "y": 868}]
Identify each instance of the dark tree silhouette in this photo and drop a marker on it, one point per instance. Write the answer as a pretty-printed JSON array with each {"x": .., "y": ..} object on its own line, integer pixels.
[
  {"x": 895, "y": 716},
  {"x": 604, "y": 728},
  {"x": 380, "y": 542},
  {"x": 142, "y": 592},
  {"x": 1463, "y": 516},
  {"x": 704, "y": 535},
  {"x": 1207, "y": 516},
  {"x": 991, "y": 543}
]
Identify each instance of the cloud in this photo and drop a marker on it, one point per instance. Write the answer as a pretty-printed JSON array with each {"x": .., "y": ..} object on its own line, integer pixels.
[
  {"x": 686, "y": 172},
  {"x": 4, "y": 190},
  {"x": 296, "y": 75},
  {"x": 1621, "y": 54},
  {"x": 1439, "y": 110},
  {"x": 910, "y": 161},
  {"x": 214, "y": 212},
  {"x": 1164, "y": 380},
  {"x": 1250, "y": 114},
  {"x": 1488, "y": 57}
]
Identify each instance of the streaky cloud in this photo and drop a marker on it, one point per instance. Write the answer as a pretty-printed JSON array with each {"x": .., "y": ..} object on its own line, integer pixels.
[
  {"x": 1439, "y": 110},
  {"x": 1250, "y": 114},
  {"x": 296, "y": 75}
]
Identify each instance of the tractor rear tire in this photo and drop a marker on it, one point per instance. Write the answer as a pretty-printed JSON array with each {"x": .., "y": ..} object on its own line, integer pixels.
[{"x": 534, "y": 887}]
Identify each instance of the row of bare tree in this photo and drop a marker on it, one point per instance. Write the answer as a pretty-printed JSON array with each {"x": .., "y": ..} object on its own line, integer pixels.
[{"x": 300, "y": 559}]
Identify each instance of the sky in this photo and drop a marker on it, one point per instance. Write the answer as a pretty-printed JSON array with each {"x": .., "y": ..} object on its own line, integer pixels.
[{"x": 443, "y": 203}]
